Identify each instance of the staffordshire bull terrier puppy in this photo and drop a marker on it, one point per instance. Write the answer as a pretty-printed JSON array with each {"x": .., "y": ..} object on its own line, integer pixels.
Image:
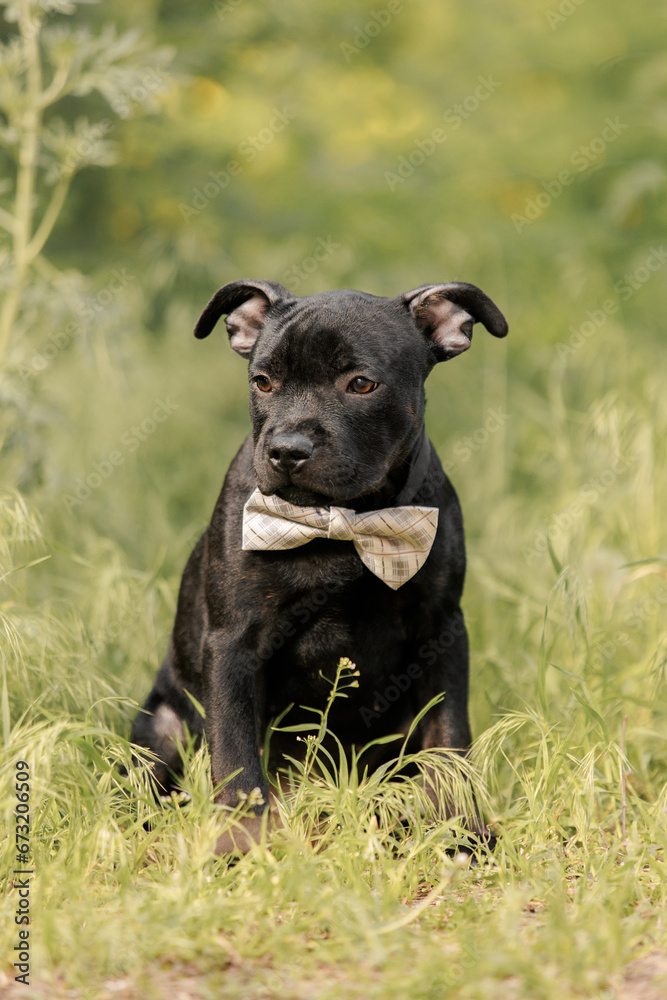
[{"x": 336, "y": 534}]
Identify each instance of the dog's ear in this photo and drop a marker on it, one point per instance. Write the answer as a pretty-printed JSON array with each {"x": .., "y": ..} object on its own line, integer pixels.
[
  {"x": 447, "y": 313},
  {"x": 246, "y": 303}
]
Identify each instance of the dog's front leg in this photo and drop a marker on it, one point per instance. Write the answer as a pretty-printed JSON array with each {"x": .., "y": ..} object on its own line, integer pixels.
[
  {"x": 233, "y": 731},
  {"x": 446, "y": 725}
]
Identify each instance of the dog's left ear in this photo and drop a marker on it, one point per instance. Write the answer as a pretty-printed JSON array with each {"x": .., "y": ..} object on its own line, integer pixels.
[
  {"x": 447, "y": 313},
  {"x": 247, "y": 303}
]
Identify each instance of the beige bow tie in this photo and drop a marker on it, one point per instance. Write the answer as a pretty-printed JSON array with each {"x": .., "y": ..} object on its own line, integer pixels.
[{"x": 393, "y": 543}]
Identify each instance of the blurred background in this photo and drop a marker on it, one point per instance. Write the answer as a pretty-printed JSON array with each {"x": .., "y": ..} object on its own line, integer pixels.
[{"x": 153, "y": 151}]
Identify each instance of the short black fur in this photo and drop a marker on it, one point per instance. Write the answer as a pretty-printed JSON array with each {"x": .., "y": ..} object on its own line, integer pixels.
[{"x": 255, "y": 630}]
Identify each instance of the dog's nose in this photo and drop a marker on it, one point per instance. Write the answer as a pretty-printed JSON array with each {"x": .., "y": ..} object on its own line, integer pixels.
[{"x": 290, "y": 451}]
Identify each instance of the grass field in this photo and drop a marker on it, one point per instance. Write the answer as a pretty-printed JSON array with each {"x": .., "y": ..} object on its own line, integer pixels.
[
  {"x": 405, "y": 156},
  {"x": 560, "y": 468}
]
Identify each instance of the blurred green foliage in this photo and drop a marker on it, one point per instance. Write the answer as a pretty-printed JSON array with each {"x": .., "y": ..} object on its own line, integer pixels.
[
  {"x": 327, "y": 114},
  {"x": 516, "y": 145}
]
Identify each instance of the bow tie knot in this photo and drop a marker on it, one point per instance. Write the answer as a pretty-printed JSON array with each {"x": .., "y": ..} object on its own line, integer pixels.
[
  {"x": 340, "y": 527},
  {"x": 393, "y": 543}
]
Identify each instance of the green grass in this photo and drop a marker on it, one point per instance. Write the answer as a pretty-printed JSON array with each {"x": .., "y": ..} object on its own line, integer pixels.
[
  {"x": 555, "y": 439},
  {"x": 356, "y": 895}
]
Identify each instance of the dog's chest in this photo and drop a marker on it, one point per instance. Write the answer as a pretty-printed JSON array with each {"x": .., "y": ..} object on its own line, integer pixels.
[{"x": 362, "y": 623}]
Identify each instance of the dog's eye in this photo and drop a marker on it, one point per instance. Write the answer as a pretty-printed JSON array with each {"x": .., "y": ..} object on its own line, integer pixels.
[
  {"x": 362, "y": 384},
  {"x": 263, "y": 383}
]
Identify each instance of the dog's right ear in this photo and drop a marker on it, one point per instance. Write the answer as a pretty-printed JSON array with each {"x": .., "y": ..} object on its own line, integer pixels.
[{"x": 246, "y": 303}]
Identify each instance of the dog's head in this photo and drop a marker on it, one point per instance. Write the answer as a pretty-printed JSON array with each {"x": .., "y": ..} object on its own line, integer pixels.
[{"x": 337, "y": 379}]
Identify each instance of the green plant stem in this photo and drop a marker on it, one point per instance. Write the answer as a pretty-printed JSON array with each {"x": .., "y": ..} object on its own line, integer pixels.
[
  {"x": 48, "y": 220},
  {"x": 30, "y": 123}
]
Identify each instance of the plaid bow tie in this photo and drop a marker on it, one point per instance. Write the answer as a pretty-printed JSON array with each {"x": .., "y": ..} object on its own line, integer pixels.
[{"x": 393, "y": 543}]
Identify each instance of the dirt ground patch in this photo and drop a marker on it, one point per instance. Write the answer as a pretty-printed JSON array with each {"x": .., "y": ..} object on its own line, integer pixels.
[{"x": 644, "y": 979}]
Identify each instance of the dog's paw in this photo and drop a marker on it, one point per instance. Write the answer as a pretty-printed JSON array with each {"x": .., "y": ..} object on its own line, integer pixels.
[
  {"x": 240, "y": 836},
  {"x": 472, "y": 848}
]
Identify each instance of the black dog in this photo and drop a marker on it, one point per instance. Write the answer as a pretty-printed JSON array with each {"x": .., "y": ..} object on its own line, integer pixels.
[{"x": 337, "y": 405}]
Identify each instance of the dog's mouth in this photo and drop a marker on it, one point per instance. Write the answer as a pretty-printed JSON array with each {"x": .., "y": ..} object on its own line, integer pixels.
[
  {"x": 303, "y": 497},
  {"x": 298, "y": 488}
]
